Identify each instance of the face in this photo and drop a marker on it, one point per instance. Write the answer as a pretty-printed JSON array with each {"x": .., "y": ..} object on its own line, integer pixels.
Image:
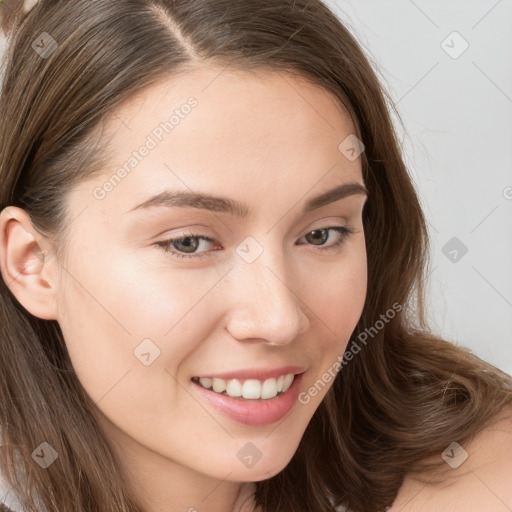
[{"x": 271, "y": 288}]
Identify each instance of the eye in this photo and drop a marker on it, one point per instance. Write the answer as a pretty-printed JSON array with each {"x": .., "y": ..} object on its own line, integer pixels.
[
  {"x": 322, "y": 235},
  {"x": 187, "y": 245}
]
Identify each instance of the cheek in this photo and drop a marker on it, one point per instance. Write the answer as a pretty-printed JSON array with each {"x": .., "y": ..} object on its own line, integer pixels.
[
  {"x": 343, "y": 290},
  {"x": 337, "y": 306},
  {"x": 338, "y": 300},
  {"x": 112, "y": 304}
]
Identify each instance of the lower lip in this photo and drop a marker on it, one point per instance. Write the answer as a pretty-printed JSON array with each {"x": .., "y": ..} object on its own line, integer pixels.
[{"x": 253, "y": 412}]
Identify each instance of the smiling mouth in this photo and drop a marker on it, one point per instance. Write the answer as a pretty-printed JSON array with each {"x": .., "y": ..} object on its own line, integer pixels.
[{"x": 249, "y": 389}]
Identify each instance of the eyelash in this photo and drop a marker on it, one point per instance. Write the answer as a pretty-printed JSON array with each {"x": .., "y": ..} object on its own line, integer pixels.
[{"x": 165, "y": 244}]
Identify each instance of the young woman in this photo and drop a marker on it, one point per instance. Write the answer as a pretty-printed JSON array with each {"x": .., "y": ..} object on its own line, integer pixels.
[{"x": 212, "y": 262}]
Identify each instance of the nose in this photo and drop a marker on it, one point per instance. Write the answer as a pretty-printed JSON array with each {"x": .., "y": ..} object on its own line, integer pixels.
[{"x": 264, "y": 305}]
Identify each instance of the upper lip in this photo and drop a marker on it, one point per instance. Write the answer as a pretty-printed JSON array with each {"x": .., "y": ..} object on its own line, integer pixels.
[{"x": 257, "y": 373}]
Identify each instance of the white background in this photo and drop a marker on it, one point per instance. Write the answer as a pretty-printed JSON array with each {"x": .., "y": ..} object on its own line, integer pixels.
[{"x": 457, "y": 114}]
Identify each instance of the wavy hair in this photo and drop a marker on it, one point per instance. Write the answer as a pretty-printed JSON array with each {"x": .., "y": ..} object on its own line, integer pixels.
[{"x": 406, "y": 396}]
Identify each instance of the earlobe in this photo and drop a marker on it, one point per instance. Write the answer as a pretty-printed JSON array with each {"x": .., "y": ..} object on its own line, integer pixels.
[{"x": 22, "y": 264}]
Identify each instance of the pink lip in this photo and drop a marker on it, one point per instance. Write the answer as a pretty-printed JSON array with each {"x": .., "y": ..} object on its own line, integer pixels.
[
  {"x": 253, "y": 412},
  {"x": 257, "y": 373}
]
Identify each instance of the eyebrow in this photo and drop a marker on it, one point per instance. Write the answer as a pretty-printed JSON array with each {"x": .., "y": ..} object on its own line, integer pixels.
[{"x": 171, "y": 199}]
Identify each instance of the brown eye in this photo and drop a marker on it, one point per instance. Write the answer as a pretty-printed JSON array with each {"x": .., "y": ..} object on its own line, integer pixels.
[
  {"x": 184, "y": 246},
  {"x": 188, "y": 244},
  {"x": 320, "y": 236}
]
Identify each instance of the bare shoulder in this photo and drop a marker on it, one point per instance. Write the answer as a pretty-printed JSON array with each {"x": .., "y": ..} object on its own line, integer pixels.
[{"x": 477, "y": 476}]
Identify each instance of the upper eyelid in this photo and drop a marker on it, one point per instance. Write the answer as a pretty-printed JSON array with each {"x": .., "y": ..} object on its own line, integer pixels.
[
  {"x": 199, "y": 236},
  {"x": 327, "y": 221},
  {"x": 190, "y": 233}
]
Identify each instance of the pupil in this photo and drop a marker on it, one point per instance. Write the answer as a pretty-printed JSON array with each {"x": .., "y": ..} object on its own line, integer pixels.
[
  {"x": 319, "y": 234},
  {"x": 186, "y": 242}
]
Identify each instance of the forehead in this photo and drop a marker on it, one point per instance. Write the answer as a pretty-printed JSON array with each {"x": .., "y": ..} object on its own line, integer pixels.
[
  {"x": 232, "y": 90},
  {"x": 223, "y": 132}
]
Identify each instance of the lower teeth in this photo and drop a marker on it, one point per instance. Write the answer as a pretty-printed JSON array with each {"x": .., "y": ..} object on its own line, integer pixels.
[{"x": 242, "y": 398}]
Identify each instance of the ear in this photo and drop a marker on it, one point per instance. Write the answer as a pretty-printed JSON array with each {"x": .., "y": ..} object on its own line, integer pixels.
[{"x": 24, "y": 255}]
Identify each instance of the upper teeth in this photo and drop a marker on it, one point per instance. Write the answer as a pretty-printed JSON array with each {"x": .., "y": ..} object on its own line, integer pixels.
[{"x": 250, "y": 388}]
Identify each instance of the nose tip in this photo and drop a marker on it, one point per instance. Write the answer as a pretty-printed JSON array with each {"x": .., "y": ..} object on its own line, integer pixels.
[{"x": 269, "y": 310}]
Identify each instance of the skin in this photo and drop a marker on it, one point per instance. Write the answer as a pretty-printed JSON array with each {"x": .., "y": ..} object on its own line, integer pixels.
[
  {"x": 481, "y": 482},
  {"x": 267, "y": 140}
]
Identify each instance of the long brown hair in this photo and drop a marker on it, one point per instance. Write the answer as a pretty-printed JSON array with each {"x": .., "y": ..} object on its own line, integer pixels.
[{"x": 406, "y": 395}]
